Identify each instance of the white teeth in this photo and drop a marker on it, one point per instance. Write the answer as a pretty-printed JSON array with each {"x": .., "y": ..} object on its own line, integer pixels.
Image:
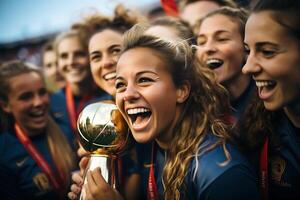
[
  {"x": 213, "y": 60},
  {"x": 264, "y": 83},
  {"x": 110, "y": 76},
  {"x": 37, "y": 114},
  {"x": 137, "y": 110}
]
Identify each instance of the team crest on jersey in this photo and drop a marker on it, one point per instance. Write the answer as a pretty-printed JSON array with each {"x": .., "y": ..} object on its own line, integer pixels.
[
  {"x": 278, "y": 166},
  {"x": 42, "y": 182}
]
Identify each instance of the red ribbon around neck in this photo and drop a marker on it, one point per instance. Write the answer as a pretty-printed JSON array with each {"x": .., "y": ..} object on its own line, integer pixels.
[
  {"x": 57, "y": 180},
  {"x": 71, "y": 108},
  {"x": 152, "y": 187},
  {"x": 264, "y": 170}
]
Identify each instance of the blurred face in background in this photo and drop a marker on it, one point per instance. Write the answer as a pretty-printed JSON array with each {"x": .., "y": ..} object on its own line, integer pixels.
[
  {"x": 28, "y": 101},
  {"x": 104, "y": 53},
  {"x": 221, "y": 48},
  {"x": 273, "y": 61},
  {"x": 50, "y": 69},
  {"x": 73, "y": 60}
]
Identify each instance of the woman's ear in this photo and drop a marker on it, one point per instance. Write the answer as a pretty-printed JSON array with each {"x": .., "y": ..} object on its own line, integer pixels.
[
  {"x": 183, "y": 92},
  {"x": 4, "y": 106}
]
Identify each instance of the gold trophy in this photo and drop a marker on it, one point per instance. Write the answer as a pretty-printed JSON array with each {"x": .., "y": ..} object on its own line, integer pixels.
[{"x": 104, "y": 133}]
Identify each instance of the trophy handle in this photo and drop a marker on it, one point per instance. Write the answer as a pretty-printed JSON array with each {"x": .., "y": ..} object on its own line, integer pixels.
[{"x": 109, "y": 170}]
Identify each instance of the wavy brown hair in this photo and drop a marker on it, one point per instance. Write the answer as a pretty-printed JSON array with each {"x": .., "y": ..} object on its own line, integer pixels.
[
  {"x": 202, "y": 113},
  {"x": 183, "y": 3},
  {"x": 181, "y": 27},
  {"x": 122, "y": 20},
  {"x": 239, "y": 15}
]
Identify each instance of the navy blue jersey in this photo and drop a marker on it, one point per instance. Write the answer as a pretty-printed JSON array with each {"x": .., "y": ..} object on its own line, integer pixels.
[
  {"x": 284, "y": 163},
  {"x": 210, "y": 180},
  {"x": 20, "y": 176},
  {"x": 239, "y": 105}
]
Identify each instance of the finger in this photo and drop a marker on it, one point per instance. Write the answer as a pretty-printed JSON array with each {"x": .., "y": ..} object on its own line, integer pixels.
[
  {"x": 77, "y": 178},
  {"x": 72, "y": 196},
  {"x": 75, "y": 189},
  {"x": 83, "y": 164},
  {"x": 97, "y": 177},
  {"x": 81, "y": 152}
]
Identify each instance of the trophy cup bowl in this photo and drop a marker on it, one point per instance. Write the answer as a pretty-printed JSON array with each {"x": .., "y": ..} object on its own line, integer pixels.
[{"x": 104, "y": 133}]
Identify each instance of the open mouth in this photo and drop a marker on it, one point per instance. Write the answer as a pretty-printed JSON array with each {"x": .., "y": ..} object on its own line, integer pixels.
[
  {"x": 265, "y": 88},
  {"x": 139, "y": 116},
  {"x": 268, "y": 84},
  {"x": 110, "y": 76},
  {"x": 37, "y": 114},
  {"x": 214, "y": 63}
]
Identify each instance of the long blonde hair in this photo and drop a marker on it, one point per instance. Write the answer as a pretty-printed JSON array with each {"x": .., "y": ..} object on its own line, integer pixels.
[{"x": 203, "y": 112}]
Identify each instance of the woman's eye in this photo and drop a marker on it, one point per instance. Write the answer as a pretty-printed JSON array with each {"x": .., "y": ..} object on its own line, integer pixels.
[
  {"x": 116, "y": 51},
  {"x": 247, "y": 50},
  {"x": 268, "y": 53},
  {"x": 222, "y": 39},
  {"x": 145, "y": 80},
  {"x": 95, "y": 58},
  {"x": 26, "y": 96},
  {"x": 119, "y": 85}
]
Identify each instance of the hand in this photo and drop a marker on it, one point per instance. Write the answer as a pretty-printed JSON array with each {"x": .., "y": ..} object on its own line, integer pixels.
[
  {"x": 81, "y": 152},
  {"x": 77, "y": 178},
  {"x": 97, "y": 188}
]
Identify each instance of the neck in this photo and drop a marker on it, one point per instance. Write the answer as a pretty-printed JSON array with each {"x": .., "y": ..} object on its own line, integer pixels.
[
  {"x": 31, "y": 132},
  {"x": 164, "y": 140},
  {"x": 237, "y": 86},
  {"x": 293, "y": 113},
  {"x": 81, "y": 89},
  {"x": 163, "y": 145}
]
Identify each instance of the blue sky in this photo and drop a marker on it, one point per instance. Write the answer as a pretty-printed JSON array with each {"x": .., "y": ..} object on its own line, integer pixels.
[{"x": 23, "y": 19}]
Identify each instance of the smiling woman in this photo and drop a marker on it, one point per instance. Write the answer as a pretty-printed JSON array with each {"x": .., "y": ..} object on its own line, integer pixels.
[
  {"x": 271, "y": 126},
  {"x": 35, "y": 156}
]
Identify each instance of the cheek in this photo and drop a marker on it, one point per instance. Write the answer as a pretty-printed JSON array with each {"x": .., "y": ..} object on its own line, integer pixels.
[
  {"x": 96, "y": 70},
  {"x": 200, "y": 54}
]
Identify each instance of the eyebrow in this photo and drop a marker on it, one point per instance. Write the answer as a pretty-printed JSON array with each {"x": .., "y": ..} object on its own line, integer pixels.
[
  {"x": 261, "y": 44},
  {"x": 137, "y": 74},
  {"x": 217, "y": 32},
  {"x": 109, "y": 48}
]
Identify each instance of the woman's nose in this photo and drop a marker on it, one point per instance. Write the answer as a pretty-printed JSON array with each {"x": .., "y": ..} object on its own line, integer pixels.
[{"x": 251, "y": 66}]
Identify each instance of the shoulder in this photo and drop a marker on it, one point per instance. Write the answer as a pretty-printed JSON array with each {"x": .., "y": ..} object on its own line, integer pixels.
[
  {"x": 209, "y": 166},
  {"x": 7, "y": 138}
]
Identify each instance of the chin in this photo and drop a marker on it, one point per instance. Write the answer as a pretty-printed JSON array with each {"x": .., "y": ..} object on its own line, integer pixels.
[
  {"x": 140, "y": 139},
  {"x": 272, "y": 106}
]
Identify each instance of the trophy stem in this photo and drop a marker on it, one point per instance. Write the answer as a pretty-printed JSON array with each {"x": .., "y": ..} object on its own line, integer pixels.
[{"x": 109, "y": 170}]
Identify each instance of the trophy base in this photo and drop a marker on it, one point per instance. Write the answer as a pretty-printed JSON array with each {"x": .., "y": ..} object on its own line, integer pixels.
[{"x": 109, "y": 170}]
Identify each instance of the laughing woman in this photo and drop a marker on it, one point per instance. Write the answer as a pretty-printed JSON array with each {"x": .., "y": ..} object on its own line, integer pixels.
[
  {"x": 272, "y": 127},
  {"x": 170, "y": 100},
  {"x": 35, "y": 156},
  {"x": 73, "y": 63},
  {"x": 220, "y": 36}
]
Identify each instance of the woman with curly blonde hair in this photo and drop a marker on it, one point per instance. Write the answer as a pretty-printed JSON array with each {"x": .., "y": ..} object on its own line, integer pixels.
[{"x": 169, "y": 99}]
